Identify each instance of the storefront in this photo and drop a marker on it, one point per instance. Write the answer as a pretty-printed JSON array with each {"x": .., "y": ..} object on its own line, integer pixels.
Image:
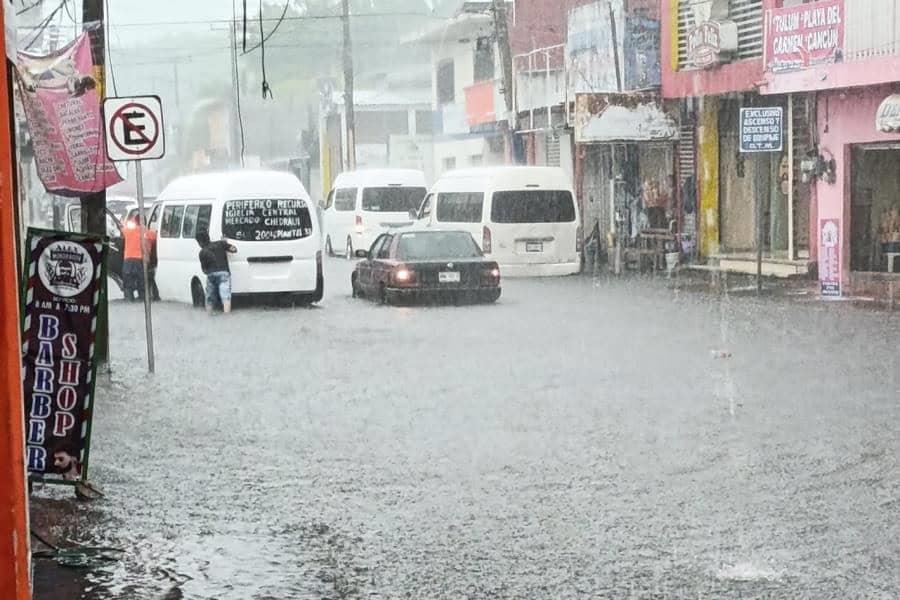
[
  {"x": 626, "y": 144},
  {"x": 860, "y": 190}
]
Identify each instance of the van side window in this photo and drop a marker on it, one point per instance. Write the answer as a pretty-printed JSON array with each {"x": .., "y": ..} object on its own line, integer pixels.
[
  {"x": 196, "y": 218},
  {"x": 460, "y": 207},
  {"x": 345, "y": 200},
  {"x": 425, "y": 211},
  {"x": 171, "y": 221}
]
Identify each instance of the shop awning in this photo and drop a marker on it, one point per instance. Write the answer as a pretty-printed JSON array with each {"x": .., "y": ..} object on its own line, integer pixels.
[
  {"x": 887, "y": 119},
  {"x": 605, "y": 118}
]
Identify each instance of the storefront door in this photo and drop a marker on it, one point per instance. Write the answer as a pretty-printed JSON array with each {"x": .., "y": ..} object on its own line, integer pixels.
[{"x": 874, "y": 206}]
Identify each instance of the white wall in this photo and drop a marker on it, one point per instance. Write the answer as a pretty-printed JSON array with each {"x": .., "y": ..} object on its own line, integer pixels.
[{"x": 464, "y": 151}]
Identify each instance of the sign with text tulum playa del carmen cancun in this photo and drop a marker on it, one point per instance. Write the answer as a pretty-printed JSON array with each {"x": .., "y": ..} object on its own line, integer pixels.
[{"x": 799, "y": 37}]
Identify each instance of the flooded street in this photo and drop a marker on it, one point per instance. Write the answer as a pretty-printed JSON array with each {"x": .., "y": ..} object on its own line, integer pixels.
[{"x": 575, "y": 440}]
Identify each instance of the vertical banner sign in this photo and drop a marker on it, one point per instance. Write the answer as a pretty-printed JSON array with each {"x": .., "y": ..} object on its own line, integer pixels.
[
  {"x": 830, "y": 257},
  {"x": 62, "y": 106},
  {"x": 798, "y": 37},
  {"x": 59, "y": 321}
]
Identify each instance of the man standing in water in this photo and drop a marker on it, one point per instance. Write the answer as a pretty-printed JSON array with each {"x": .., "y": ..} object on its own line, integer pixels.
[
  {"x": 214, "y": 262},
  {"x": 132, "y": 267}
]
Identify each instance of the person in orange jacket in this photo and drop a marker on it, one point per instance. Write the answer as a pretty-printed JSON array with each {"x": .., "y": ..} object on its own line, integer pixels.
[{"x": 132, "y": 267}]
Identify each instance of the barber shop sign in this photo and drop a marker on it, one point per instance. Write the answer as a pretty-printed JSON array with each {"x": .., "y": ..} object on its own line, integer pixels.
[{"x": 64, "y": 272}]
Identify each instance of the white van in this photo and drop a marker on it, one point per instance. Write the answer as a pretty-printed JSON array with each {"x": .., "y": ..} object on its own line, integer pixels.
[
  {"x": 364, "y": 204},
  {"x": 525, "y": 218},
  {"x": 266, "y": 215}
]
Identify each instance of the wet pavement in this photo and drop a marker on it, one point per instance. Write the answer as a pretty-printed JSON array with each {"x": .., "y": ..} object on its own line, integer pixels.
[{"x": 579, "y": 439}]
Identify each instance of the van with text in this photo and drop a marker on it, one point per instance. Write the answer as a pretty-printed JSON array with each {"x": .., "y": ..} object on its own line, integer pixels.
[
  {"x": 266, "y": 215},
  {"x": 525, "y": 218}
]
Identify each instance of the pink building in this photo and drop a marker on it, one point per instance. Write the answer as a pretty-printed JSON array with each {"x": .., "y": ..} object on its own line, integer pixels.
[{"x": 848, "y": 69}]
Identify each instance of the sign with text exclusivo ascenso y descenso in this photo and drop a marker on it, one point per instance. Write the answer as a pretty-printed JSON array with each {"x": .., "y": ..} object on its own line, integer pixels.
[{"x": 762, "y": 129}]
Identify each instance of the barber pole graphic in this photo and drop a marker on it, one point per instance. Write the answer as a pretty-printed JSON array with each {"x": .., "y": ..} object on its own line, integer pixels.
[{"x": 62, "y": 293}]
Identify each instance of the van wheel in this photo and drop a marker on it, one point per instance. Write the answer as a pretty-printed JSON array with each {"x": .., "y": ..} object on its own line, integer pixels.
[
  {"x": 198, "y": 296},
  {"x": 349, "y": 249},
  {"x": 328, "y": 249}
]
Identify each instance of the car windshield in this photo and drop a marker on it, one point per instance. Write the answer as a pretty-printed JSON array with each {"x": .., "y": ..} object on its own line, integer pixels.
[
  {"x": 266, "y": 220},
  {"x": 392, "y": 199},
  {"x": 437, "y": 245}
]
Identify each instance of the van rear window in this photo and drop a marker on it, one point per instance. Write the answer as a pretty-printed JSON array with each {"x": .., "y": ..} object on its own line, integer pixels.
[
  {"x": 533, "y": 206},
  {"x": 266, "y": 220},
  {"x": 392, "y": 199}
]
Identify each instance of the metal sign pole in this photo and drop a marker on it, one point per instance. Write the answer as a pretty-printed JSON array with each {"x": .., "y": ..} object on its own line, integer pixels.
[
  {"x": 145, "y": 259},
  {"x": 760, "y": 217}
]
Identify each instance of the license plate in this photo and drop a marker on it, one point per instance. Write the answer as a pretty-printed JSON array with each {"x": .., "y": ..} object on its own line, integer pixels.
[
  {"x": 448, "y": 277},
  {"x": 534, "y": 246}
]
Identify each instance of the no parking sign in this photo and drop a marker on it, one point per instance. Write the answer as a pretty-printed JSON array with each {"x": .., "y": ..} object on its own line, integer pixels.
[
  {"x": 134, "y": 128},
  {"x": 135, "y": 132}
]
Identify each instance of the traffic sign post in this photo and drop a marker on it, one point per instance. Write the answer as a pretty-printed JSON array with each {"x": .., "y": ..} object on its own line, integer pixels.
[
  {"x": 762, "y": 130},
  {"x": 135, "y": 132}
]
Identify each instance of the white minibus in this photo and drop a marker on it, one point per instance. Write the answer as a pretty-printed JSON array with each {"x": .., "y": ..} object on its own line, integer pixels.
[
  {"x": 266, "y": 215},
  {"x": 525, "y": 218},
  {"x": 364, "y": 204}
]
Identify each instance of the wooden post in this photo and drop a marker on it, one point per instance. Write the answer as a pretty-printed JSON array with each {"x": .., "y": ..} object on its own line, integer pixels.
[
  {"x": 14, "y": 549},
  {"x": 93, "y": 206},
  {"x": 349, "y": 111}
]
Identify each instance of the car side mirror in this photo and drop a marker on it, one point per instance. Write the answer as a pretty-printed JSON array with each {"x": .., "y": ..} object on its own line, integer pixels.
[{"x": 362, "y": 254}]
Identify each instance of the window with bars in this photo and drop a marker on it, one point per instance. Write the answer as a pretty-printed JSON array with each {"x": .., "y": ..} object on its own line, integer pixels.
[{"x": 747, "y": 14}]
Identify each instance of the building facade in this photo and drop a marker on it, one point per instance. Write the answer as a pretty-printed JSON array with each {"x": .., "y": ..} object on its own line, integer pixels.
[
  {"x": 713, "y": 63},
  {"x": 842, "y": 59}
]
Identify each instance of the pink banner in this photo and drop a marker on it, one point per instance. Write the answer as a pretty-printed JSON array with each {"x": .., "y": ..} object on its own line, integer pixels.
[
  {"x": 62, "y": 105},
  {"x": 801, "y": 36},
  {"x": 830, "y": 267}
]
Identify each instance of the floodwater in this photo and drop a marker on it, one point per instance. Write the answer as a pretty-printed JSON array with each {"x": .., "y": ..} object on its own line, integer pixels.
[{"x": 578, "y": 439}]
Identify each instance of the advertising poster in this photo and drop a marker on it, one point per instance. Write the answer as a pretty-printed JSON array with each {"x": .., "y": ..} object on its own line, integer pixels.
[
  {"x": 589, "y": 46},
  {"x": 62, "y": 106},
  {"x": 806, "y": 35},
  {"x": 59, "y": 320},
  {"x": 830, "y": 257}
]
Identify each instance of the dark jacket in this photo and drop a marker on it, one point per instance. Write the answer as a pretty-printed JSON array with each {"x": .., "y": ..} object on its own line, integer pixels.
[{"x": 214, "y": 257}]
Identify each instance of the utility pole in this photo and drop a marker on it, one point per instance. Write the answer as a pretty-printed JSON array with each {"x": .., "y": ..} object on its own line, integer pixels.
[
  {"x": 237, "y": 132},
  {"x": 349, "y": 113},
  {"x": 15, "y": 556},
  {"x": 93, "y": 206},
  {"x": 501, "y": 34}
]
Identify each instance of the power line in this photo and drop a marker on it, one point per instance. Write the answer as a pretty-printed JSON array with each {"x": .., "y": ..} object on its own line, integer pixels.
[
  {"x": 106, "y": 36},
  {"x": 35, "y": 4},
  {"x": 237, "y": 77},
  {"x": 286, "y": 18},
  {"x": 266, "y": 38},
  {"x": 44, "y": 24}
]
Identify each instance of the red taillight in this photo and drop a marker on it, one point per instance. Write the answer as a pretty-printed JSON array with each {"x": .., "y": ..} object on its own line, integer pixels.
[
  {"x": 579, "y": 242},
  {"x": 404, "y": 276},
  {"x": 486, "y": 240},
  {"x": 359, "y": 224},
  {"x": 491, "y": 274}
]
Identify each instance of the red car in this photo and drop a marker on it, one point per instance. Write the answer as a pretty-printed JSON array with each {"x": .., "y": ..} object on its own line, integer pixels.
[{"x": 429, "y": 264}]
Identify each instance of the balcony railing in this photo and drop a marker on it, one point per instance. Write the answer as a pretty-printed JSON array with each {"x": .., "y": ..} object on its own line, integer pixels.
[
  {"x": 872, "y": 29},
  {"x": 540, "y": 81}
]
